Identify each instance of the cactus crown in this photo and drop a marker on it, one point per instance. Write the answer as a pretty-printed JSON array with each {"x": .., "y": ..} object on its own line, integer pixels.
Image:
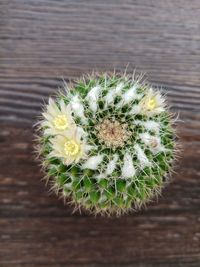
[{"x": 107, "y": 144}]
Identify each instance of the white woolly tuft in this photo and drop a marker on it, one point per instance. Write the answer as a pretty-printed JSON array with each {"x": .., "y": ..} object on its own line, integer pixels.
[
  {"x": 128, "y": 169},
  {"x": 78, "y": 108},
  {"x": 92, "y": 97},
  {"x": 80, "y": 132},
  {"x": 136, "y": 109},
  {"x": 152, "y": 125},
  {"x": 129, "y": 96},
  {"x": 112, "y": 165},
  {"x": 146, "y": 138},
  {"x": 100, "y": 176},
  {"x": 119, "y": 88},
  {"x": 109, "y": 98},
  {"x": 153, "y": 142},
  {"x": 93, "y": 162},
  {"x": 88, "y": 148},
  {"x": 144, "y": 162}
]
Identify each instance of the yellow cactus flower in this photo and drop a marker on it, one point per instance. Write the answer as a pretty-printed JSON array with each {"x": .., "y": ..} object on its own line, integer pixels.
[
  {"x": 152, "y": 103},
  {"x": 69, "y": 147},
  {"x": 58, "y": 118}
]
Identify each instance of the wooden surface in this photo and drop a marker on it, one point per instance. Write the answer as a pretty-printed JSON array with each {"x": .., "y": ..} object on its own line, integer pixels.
[{"x": 42, "y": 41}]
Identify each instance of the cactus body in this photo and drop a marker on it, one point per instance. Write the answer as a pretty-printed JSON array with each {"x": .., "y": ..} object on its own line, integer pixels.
[{"x": 107, "y": 143}]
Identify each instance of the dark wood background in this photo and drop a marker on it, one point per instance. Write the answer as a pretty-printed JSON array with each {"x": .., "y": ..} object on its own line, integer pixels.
[{"x": 42, "y": 41}]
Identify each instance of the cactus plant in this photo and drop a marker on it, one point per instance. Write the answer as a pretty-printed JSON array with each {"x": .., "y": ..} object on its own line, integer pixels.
[{"x": 107, "y": 142}]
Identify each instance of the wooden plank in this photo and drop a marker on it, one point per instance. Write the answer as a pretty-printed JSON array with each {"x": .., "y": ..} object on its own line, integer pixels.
[{"x": 42, "y": 41}]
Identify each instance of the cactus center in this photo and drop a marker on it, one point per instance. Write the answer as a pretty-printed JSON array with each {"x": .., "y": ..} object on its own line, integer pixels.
[
  {"x": 113, "y": 133},
  {"x": 60, "y": 122},
  {"x": 71, "y": 148}
]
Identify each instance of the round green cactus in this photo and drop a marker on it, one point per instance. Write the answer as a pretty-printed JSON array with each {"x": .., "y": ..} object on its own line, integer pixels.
[{"x": 107, "y": 143}]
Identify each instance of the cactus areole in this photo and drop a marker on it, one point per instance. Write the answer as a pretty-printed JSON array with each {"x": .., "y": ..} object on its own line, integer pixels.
[{"x": 106, "y": 143}]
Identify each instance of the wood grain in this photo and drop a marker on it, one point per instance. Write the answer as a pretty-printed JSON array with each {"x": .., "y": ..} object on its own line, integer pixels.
[{"x": 43, "y": 41}]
